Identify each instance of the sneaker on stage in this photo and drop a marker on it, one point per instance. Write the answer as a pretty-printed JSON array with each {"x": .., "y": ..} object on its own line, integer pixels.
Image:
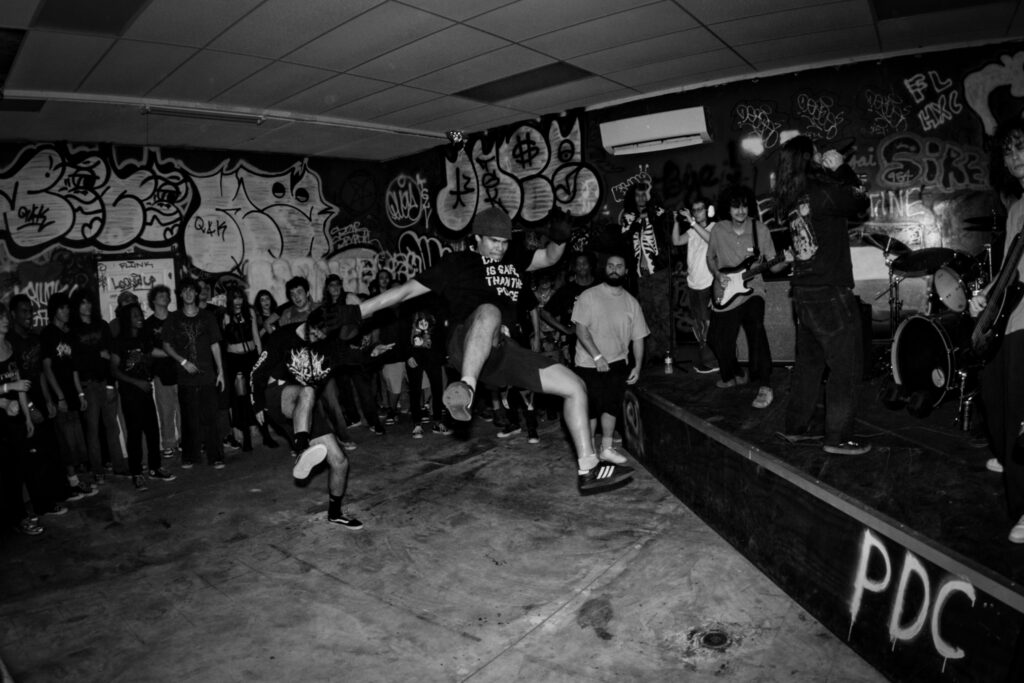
[
  {"x": 458, "y": 397},
  {"x": 613, "y": 456},
  {"x": 847, "y": 448},
  {"x": 602, "y": 477},
  {"x": 347, "y": 522},
  {"x": 308, "y": 459}
]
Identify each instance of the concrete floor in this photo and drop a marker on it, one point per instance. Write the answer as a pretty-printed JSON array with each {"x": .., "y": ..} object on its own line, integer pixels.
[{"x": 478, "y": 562}]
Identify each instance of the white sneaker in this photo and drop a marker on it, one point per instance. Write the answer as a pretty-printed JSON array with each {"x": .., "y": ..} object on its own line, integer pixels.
[
  {"x": 993, "y": 465},
  {"x": 613, "y": 456},
  {"x": 308, "y": 459},
  {"x": 764, "y": 397},
  {"x": 1017, "y": 532},
  {"x": 417, "y": 432}
]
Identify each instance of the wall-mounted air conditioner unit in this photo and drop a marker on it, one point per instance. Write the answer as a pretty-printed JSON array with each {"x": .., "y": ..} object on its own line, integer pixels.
[{"x": 655, "y": 132}]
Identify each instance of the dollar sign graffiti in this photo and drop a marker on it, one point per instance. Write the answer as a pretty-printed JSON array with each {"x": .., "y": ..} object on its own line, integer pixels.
[{"x": 525, "y": 150}]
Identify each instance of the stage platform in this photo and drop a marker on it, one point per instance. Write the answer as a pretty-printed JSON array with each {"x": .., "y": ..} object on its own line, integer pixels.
[{"x": 902, "y": 552}]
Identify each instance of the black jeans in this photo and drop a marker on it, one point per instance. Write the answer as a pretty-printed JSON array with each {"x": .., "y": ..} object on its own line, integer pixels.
[
  {"x": 198, "y": 405},
  {"x": 142, "y": 426},
  {"x": 828, "y": 336},
  {"x": 725, "y": 327},
  {"x": 431, "y": 366}
]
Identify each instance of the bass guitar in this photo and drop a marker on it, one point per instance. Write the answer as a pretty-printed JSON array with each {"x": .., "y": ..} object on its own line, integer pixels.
[
  {"x": 1003, "y": 297},
  {"x": 738, "y": 276}
]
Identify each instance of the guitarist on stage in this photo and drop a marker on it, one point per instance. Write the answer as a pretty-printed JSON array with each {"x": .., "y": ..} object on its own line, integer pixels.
[
  {"x": 732, "y": 242},
  {"x": 1002, "y": 379}
]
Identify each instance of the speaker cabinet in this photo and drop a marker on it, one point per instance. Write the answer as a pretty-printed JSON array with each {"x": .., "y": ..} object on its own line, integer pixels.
[{"x": 778, "y": 323}]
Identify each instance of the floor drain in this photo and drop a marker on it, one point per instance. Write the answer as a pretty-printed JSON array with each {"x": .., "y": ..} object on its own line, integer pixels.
[{"x": 715, "y": 640}]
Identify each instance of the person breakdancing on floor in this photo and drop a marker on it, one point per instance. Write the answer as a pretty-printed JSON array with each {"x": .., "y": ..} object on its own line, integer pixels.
[
  {"x": 482, "y": 288},
  {"x": 296, "y": 362}
]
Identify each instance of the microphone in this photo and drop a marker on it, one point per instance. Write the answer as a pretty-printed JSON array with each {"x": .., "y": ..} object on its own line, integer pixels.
[{"x": 848, "y": 149}]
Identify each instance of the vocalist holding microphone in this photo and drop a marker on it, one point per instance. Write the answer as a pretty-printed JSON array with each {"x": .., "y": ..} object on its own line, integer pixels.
[
  {"x": 817, "y": 196},
  {"x": 692, "y": 227}
]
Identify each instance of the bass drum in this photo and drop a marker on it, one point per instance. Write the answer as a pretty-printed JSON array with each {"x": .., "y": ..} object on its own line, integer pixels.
[{"x": 923, "y": 363}]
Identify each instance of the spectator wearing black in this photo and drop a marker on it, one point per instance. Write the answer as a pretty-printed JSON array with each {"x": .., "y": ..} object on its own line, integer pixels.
[{"x": 131, "y": 363}]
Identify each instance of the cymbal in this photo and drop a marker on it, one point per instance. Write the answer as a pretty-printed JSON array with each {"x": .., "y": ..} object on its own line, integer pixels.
[
  {"x": 884, "y": 242},
  {"x": 922, "y": 261}
]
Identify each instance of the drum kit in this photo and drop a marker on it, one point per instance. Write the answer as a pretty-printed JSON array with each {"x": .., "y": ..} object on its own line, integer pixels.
[{"x": 930, "y": 356}]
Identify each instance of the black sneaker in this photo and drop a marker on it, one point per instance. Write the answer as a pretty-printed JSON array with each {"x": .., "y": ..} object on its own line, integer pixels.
[
  {"x": 442, "y": 429},
  {"x": 347, "y": 522},
  {"x": 56, "y": 510},
  {"x": 603, "y": 477},
  {"x": 533, "y": 436},
  {"x": 377, "y": 429},
  {"x": 510, "y": 430},
  {"x": 231, "y": 444},
  {"x": 139, "y": 482},
  {"x": 704, "y": 368},
  {"x": 83, "y": 490},
  {"x": 310, "y": 458},
  {"x": 391, "y": 418},
  {"x": 162, "y": 474},
  {"x": 847, "y": 448}
]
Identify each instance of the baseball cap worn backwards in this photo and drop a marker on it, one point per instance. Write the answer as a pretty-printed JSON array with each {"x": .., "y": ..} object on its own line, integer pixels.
[{"x": 493, "y": 222}]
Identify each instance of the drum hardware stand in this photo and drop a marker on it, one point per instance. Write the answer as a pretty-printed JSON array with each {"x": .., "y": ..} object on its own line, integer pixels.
[
  {"x": 895, "y": 303},
  {"x": 965, "y": 406}
]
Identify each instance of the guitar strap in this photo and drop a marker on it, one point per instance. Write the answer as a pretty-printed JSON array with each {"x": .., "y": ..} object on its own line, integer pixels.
[{"x": 753, "y": 236}]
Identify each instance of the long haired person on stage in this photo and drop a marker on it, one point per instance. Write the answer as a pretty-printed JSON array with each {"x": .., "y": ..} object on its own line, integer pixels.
[
  {"x": 1002, "y": 379},
  {"x": 817, "y": 196}
]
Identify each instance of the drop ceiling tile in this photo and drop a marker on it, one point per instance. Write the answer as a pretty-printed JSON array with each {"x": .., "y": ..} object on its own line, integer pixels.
[
  {"x": 206, "y": 75},
  {"x": 187, "y": 22},
  {"x": 852, "y": 40},
  {"x": 332, "y": 93},
  {"x": 794, "y": 23},
  {"x": 552, "y": 99},
  {"x": 679, "y": 68},
  {"x": 302, "y": 138},
  {"x": 438, "y": 51},
  {"x": 694, "y": 81},
  {"x": 662, "y": 48},
  {"x": 485, "y": 68},
  {"x": 524, "y": 19},
  {"x": 630, "y": 27},
  {"x": 984, "y": 22},
  {"x": 277, "y": 27},
  {"x": 475, "y": 119},
  {"x": 414, "y": 116},
  {"x": 49, "y": 60},
  {"x": 381, "y": 103},
  {"x": 133, "y": 68},
  {"x": 277, "y": 81},
  {"x": 384, "y": 147},
  {"x": 457, "y": 10},
  {"x": 717, "y": 11},
  {"x": 382, "y": 29},
  {"x": 18, "y": 14}
]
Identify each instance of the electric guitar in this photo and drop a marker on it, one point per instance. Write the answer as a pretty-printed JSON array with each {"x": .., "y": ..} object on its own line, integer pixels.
[
  {"x": 739, "y": 275},
  {"x": 1003, "y": 297}
]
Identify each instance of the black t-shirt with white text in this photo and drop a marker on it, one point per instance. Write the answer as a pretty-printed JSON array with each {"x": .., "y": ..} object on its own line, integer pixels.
[{"x": 466, "y": 280}]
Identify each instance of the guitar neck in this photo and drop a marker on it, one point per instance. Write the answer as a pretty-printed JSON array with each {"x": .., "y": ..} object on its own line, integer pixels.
[{"x": 759, "y": 268}]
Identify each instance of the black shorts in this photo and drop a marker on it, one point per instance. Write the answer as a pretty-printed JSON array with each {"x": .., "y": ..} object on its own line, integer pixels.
[
  {"x": 508, "y": 365},
  {"x": 272, "y": 395},
  {"x": 605, "y": 390}
]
